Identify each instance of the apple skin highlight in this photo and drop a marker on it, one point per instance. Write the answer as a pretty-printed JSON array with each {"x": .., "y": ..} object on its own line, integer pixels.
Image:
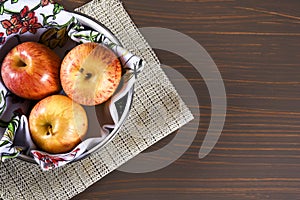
[
  {"x": 31, "y": 70},
  {"x": 90, "y": 73}
]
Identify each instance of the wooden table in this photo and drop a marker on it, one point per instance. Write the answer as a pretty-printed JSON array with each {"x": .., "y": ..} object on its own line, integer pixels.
[{"x": 256, "y": 46}]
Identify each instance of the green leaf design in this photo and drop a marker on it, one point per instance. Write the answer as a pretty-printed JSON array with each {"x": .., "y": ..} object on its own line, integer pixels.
[
  {"x": 57, "y": 8},
  {"x": 14, "y": 1},
  {"x": 78, "y": 27},
  {"x": 92, "y": 37},
  {"x": 11, "y": 155},
  {"x": 1, "y": 9},
  {"x": 4, "y": 143},
  {"x": 11, "y": 127},
  {"x": 2, "y": 102},
  {"x": 10, "y": 134},
  {"x": 82, "y": 36}
]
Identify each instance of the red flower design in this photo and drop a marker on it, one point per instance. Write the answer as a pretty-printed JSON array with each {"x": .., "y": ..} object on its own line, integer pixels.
[
  {"x": 31, "y": 25},
  {"x": 26, "y": 21},
  {"x": 13, "y": 25},
  {"x": 46, "y": 2},
  {"x": 2, "y": 38},
  {"x": 50, "y": 161},
  {"x": 29, "y": 21},
  {"x": 26, "y": 14}
]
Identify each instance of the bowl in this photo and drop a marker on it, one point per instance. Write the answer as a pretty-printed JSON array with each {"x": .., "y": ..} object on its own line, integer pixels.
[{"x": 123, "y": 105}]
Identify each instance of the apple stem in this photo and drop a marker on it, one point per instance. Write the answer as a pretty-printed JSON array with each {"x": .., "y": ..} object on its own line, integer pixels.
[
  {"x": 49, "y": 132},
  {"x": 88, "y": 75},
  {"x": 21, "y": 63}
]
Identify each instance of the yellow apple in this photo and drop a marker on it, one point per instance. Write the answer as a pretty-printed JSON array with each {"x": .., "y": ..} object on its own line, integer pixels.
[{"x": 57, "y": 124}]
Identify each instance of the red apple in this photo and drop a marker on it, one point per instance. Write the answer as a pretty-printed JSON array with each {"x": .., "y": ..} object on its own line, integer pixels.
[
  {"x": 90, "y": 73},
  {"x": 57, "y": 124},
  {"x": 31, "y": 70}
]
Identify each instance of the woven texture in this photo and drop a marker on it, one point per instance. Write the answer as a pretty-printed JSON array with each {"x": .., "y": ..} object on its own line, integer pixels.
[{"x": 157, "y": 111}]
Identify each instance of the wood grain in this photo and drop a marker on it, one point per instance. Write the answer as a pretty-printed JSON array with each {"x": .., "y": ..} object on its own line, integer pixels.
[{"x": 255, "y": 45}]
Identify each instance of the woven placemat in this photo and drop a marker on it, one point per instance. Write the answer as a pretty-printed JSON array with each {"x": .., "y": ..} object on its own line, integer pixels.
[{"x": 157, "y": 111}]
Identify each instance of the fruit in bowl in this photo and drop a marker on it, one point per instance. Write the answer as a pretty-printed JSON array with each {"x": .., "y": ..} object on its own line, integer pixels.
[
  {"x": 122, "y": 104},
  {"x": 90, "y": 73},
  {"x": 31, "y": 70},
  {"x": 57, "y": 124}
]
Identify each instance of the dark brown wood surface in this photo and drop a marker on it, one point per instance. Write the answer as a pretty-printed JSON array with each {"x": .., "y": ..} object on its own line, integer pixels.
[{"x": 256, "y": 46}]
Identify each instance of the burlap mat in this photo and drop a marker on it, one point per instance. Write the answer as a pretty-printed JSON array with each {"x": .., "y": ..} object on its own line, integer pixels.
[{"x": 157, "y": 111}]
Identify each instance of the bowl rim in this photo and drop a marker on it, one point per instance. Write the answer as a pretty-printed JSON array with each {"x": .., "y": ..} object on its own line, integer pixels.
[{"x": 98, "y": 26}]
